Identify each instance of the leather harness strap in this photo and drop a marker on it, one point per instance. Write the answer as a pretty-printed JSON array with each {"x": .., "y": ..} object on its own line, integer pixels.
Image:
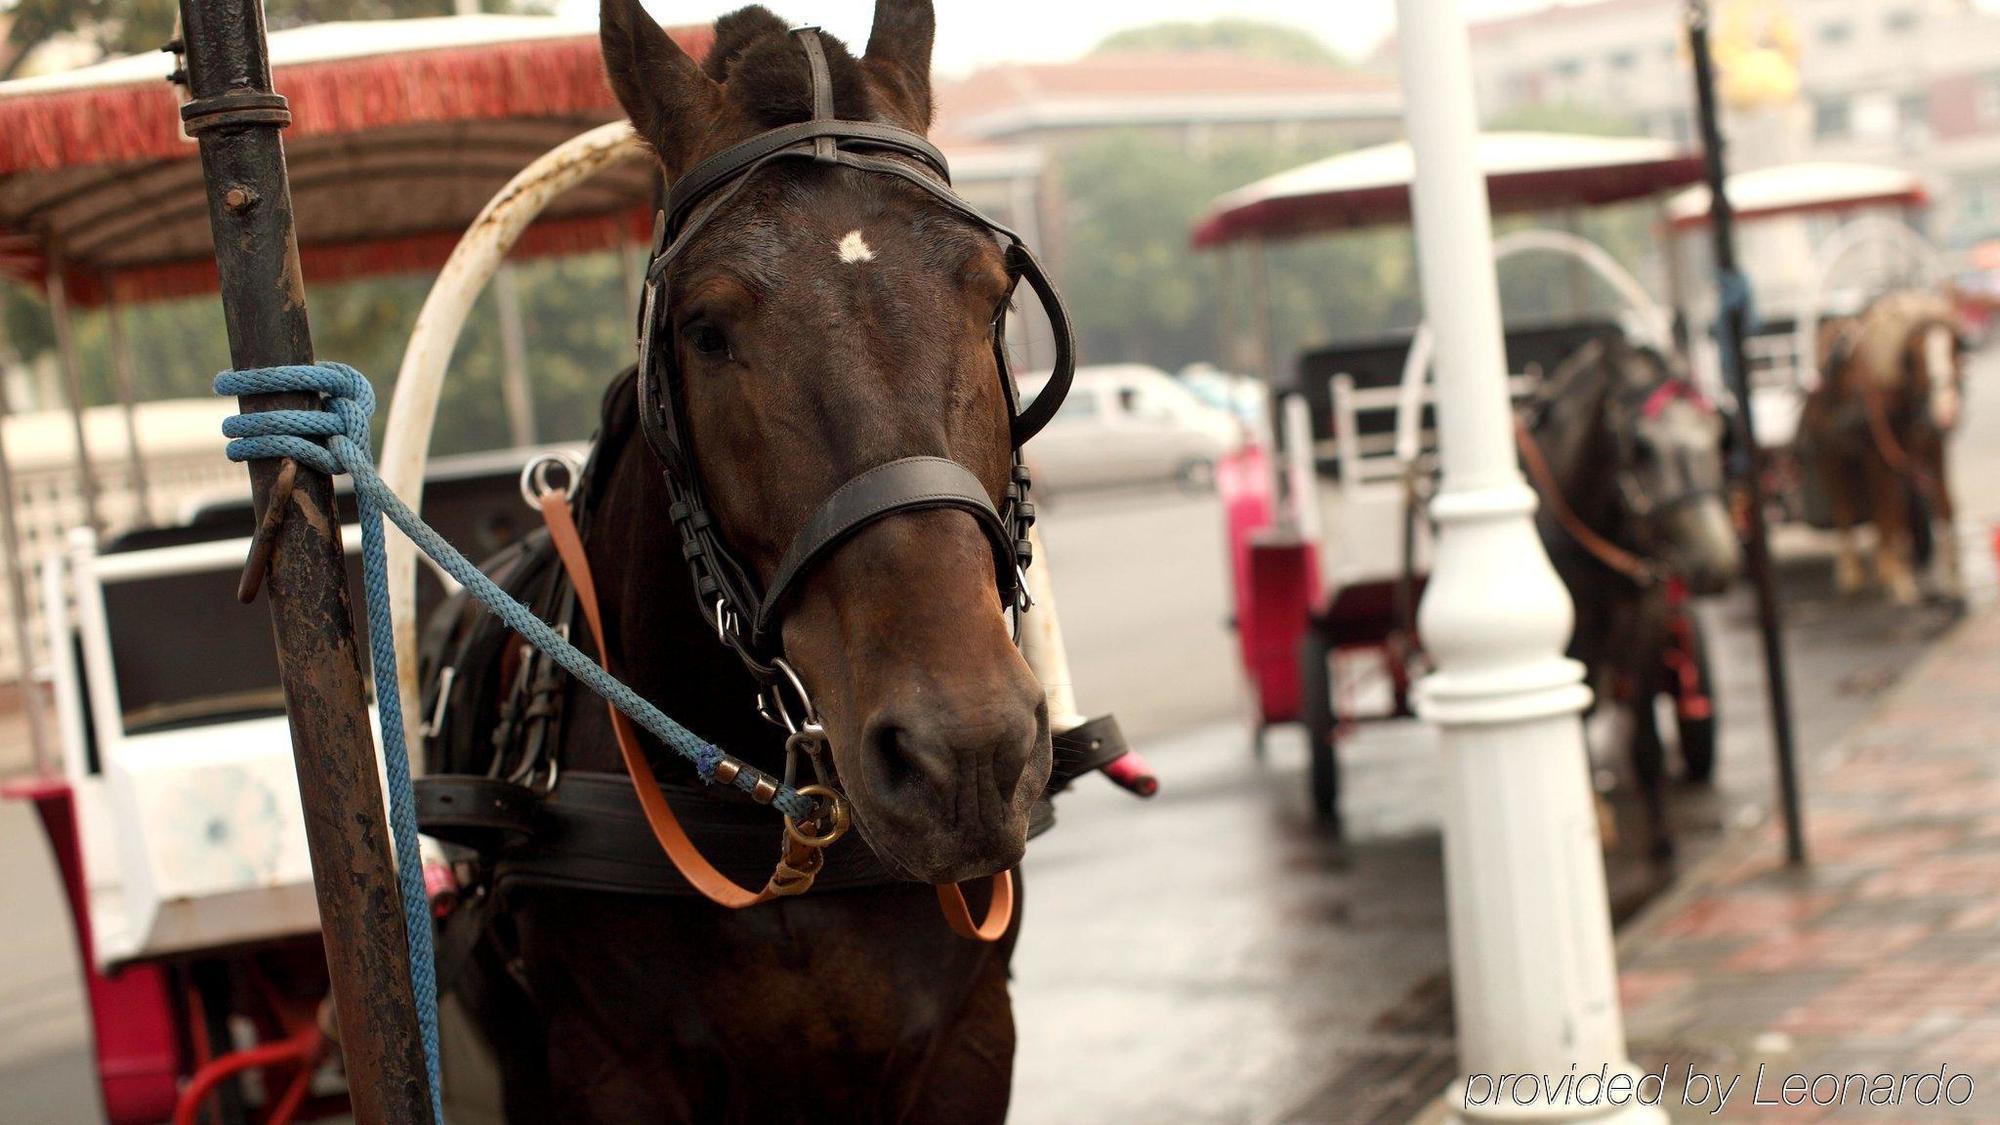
[
  {"x": 795, "y": 870},
  {"x": 1600, "y": 548}
]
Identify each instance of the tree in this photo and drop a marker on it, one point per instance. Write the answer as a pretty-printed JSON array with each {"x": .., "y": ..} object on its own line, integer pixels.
[
  {"x": 1261, "y": 38},
  {"x": 1140, "y": 293}
]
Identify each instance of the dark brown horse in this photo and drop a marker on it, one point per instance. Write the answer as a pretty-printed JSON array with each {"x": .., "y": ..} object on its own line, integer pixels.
[
  {"x": 1632, "y": 496},
  {"x": 824, "y": 321},
  {"x": 1873, "y": 433}
]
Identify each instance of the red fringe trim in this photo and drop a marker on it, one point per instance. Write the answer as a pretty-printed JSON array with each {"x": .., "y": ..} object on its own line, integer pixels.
[
  {"x": 327, "y": 264},
  {"x": 532, "y": 78}
]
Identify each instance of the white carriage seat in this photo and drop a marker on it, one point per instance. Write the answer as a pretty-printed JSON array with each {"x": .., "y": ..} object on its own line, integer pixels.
[{"x": 174, "y": 731}]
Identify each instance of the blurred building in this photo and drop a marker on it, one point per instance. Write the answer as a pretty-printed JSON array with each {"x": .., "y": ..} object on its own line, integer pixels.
[
  {"x": 1914, "y": 83},
  {"x": 1188, "y": 99}
]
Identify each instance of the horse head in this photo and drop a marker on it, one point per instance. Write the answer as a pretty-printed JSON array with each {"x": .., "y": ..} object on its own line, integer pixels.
[
  {"x": 1937, "y": 362},
  {"x": 1642, "y": 458},
  {"x": 823, "y": 321},
  {"x": 1670, "y": 471},
  {"x": 1905, "y": 346}
]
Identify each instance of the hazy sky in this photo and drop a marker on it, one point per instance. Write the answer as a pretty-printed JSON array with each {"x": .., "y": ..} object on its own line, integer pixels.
[{"x": 972, "y": 32}]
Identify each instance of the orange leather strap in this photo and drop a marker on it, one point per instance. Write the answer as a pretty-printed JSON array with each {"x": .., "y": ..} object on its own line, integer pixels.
[
  {"x": 999, "y": 912},
  {"x": 800, "y": 863},
  {"x": 673, "y": 839},
  {"x": 1604, "y": 550}
]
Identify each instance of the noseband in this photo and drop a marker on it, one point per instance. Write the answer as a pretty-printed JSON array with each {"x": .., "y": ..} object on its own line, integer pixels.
[{"x": 746, "y": 617}]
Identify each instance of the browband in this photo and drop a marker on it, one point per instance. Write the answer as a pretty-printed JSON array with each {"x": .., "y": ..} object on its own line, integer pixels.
[{"x": 698, "y": 181}]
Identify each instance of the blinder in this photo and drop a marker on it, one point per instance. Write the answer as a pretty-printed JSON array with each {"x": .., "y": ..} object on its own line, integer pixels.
[{"x": 746, "y": 617}]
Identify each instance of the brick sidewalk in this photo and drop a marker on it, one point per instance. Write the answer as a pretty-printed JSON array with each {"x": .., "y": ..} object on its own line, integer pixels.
[{"x": 1883, "y": 956}]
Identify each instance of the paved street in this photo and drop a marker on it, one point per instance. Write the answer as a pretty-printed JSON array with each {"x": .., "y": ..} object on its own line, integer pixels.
[
  {"x": 1880, "y": 958},
  {"x": 1205, "y": 956}
]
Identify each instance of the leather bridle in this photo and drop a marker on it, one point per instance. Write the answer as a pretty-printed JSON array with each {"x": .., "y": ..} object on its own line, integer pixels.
[
  {"x": 747, "y": 617},
  {"x": 1648, "y": 401}
]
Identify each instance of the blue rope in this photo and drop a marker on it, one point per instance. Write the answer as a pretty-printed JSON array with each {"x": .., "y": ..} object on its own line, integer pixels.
[{"x": 335, "y": 440}]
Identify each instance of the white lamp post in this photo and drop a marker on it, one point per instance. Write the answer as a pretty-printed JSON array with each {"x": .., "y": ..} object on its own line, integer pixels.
[{"x": 1533, "y": 974}]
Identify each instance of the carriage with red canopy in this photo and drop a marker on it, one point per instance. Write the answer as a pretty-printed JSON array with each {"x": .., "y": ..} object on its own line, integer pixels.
[{"x": 1327, "y": 538}]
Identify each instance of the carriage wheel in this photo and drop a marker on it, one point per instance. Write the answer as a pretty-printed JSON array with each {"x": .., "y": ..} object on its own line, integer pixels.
[
  {"x": 1691, "y": 691},
  {"x": 1322, "y": 744}
]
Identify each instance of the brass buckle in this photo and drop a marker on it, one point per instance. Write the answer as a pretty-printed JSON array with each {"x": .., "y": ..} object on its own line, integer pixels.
[{"x": 836, "y": 812}]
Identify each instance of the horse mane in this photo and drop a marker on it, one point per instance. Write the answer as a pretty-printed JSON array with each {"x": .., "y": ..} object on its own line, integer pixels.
[
  {"x": 1886, "y": 329},
  {"x": 764, "y": 73},
  {"x": 617, "y": 423}
]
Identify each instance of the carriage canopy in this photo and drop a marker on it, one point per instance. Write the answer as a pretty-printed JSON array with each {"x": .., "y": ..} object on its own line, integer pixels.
[
  {"x": 1370, "y": 186},
  {"x": 1800, "y": 189},
  {"x": 401, "y": 131}
]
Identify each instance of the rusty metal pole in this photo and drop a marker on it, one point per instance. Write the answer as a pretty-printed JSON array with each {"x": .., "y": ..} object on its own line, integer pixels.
[{"x": 236, "y": 118}]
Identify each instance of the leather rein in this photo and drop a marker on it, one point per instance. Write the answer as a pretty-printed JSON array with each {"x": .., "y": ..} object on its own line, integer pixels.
[
  {"x": 1602, "y": 549},
  {"x": 746, "y": 618},
  {"x": 803, "y": 846}
]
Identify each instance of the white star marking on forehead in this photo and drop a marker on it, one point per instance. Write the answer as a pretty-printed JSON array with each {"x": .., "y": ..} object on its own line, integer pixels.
[{"x": 854, "y": 248}]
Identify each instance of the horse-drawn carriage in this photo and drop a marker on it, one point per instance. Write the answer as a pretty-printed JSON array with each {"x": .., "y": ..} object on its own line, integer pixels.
[
  {"x": 1833, "y": 253},
  {"x": 1319, "y": 614},
  {"x": 177, "y": 825},
  {"x": 176, "y": 818}
]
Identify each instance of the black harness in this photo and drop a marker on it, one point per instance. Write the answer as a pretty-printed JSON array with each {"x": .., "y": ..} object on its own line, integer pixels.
[
  {"x": 745, "y": 616},
  {"x": 486, "y": 792}
]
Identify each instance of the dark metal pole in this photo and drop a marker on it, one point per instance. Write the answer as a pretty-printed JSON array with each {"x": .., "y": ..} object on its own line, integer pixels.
[
  {"x": 1749, "y": 460},
  {"x": 237, "y": 118}
]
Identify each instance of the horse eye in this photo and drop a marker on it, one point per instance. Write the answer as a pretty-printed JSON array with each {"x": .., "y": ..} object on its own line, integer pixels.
[{"x": 706, "y": 339}]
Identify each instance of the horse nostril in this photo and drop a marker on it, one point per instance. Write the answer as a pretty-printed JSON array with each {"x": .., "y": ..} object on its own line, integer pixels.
[
  {"x": 895, "y": 758},
  {"x": 913, "y": 753}
]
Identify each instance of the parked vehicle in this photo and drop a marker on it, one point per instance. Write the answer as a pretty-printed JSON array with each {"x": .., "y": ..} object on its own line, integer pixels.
[
  {"x": 1129, "y": 424},
  {"x": 1244, "y": 396}
]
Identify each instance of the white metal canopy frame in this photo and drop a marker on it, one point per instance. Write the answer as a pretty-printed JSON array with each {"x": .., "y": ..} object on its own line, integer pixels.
[
  {"x": 426, "y": 360},
  {"x": 1655, "y": 323}
]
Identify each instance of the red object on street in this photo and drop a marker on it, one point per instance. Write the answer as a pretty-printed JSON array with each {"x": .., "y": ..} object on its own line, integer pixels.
[
  {"x": 1284, "y": 585},
  {"x": 132, "y": 1022},
  {"x": 1276, "y": 582},
  {"x": 1133, "y": 774}
]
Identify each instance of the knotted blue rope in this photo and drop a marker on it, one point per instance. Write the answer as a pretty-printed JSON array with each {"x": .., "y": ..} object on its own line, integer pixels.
[{"x": 335, "y": 440}]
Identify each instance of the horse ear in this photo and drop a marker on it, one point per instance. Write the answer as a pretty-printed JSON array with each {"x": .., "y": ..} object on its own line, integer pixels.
[
  {"x": 670, "y": 101},
  {"x": 898, "y": 61}
]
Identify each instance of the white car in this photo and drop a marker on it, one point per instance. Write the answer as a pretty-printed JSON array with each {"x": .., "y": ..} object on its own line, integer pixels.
[{"x": 1128, "y": 423}]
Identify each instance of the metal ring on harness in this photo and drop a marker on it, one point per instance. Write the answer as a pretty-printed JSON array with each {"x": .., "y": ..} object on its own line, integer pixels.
[
  {"x": 535, "y": 476},
  {"x": 838, "y": 817},
  {"x": 773, "y": 698}
]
